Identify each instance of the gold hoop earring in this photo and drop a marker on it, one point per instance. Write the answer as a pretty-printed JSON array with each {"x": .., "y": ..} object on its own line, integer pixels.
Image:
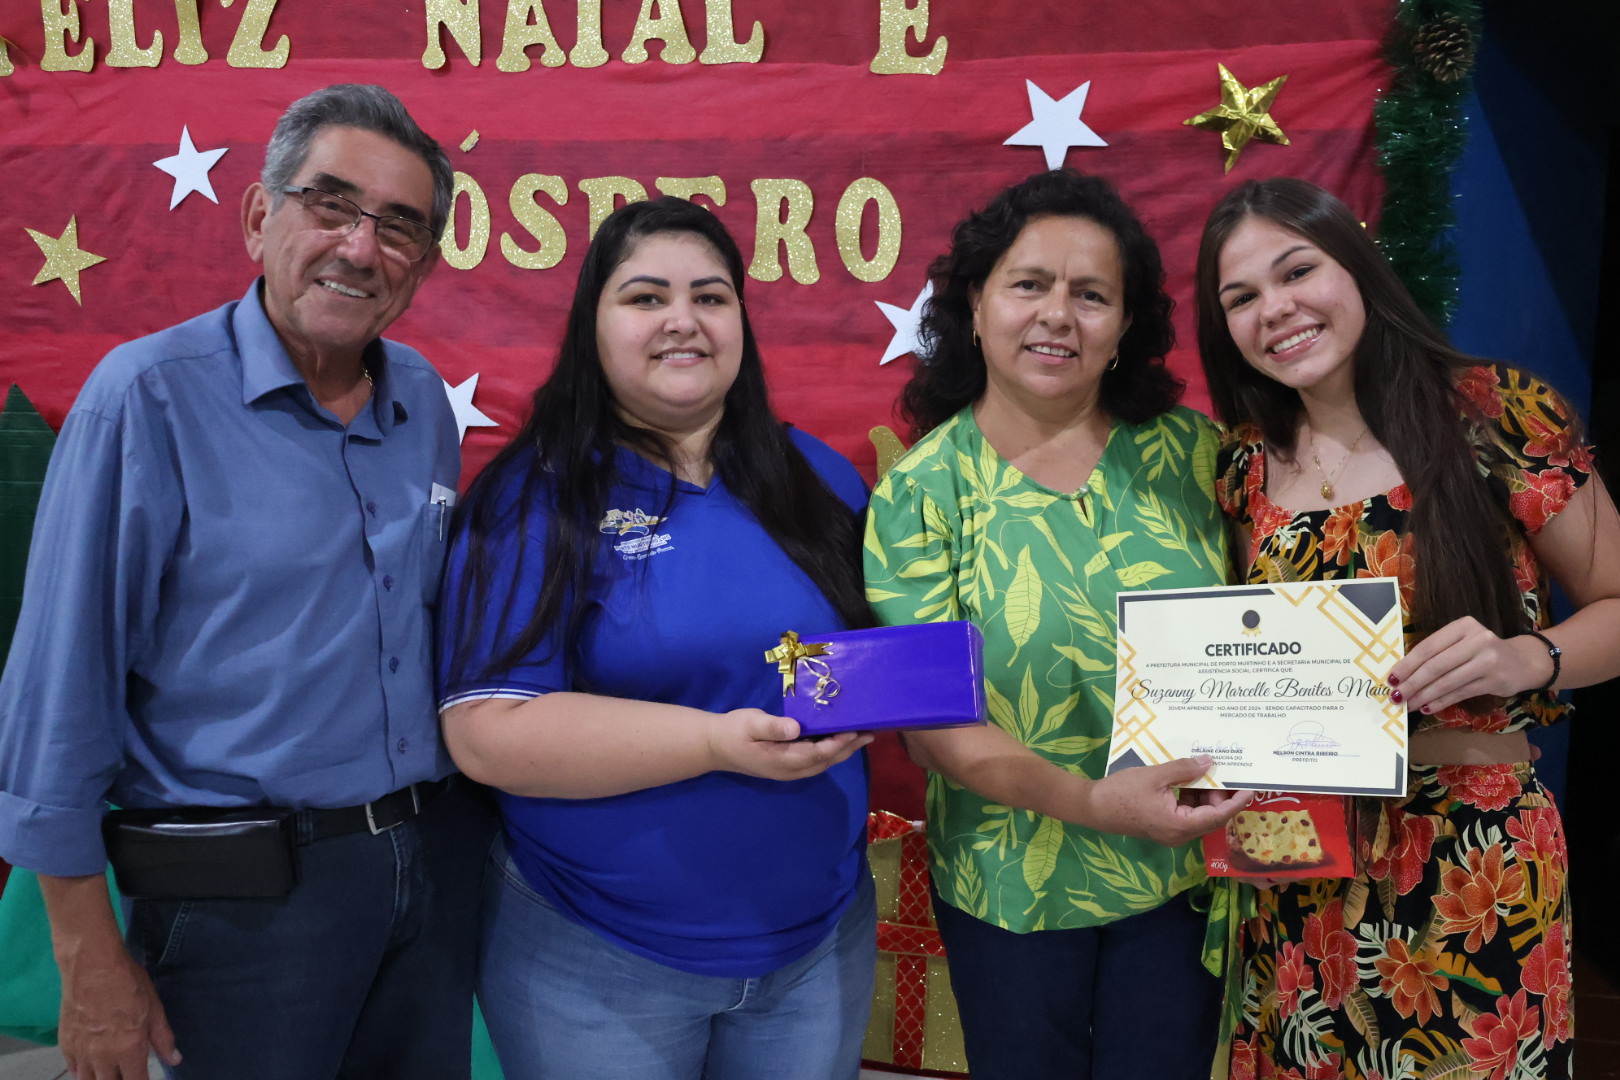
[
  {"x": 975, "y": 339},
  {"x": 1114, "y": 363}
]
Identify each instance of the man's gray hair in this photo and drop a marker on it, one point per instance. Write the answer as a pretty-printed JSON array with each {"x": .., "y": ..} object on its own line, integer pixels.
[{"x": 369, "y": 108}]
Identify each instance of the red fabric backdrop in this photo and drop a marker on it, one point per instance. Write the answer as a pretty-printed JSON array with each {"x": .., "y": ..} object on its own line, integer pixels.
[{"x": 81, "y": 145}]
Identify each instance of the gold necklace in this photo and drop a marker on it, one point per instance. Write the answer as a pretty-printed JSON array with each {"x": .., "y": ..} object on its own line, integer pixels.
[{"x": 1327, "y": 480}]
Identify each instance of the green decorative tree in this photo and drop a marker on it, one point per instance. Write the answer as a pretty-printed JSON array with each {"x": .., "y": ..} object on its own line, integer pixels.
[
  {"x": 1421, "y": 134},
  {"x": 25, "y": 449}
]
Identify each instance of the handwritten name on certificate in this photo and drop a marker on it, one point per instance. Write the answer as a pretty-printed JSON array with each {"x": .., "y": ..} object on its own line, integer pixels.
[{"x": 1282, "y": 684}]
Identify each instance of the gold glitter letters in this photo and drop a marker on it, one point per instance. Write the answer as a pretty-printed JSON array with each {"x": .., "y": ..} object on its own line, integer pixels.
[
  {"x": 772, "y": 227},
  {"x": 602, "y": 191},
  {"x": 847, "y": 222},
  {"x": 469, "y": 256},
  {"x": 189, "y": 49},
  {"x": 588, "y": 51},
  {"x": 722, "y": 47},
  {"x": 685, "y": 187},
  {"x": 667, "y": 27},
  {"x": 6, "y": 67},
  {"x": 784, "y": 208},
  {"x": 62, "y": 26},
  {"x": 541, "y": 225},
  {"x": 123, "y": 52},
  {"x": 895, "y": 18},
  {"x": 247, "y": 48},
  {"x": 460, "y": 17},
  {"x": 526, "y": 24}
]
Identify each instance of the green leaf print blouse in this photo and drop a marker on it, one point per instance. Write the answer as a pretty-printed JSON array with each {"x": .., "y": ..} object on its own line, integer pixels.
[{"x": 955, "y": 532}]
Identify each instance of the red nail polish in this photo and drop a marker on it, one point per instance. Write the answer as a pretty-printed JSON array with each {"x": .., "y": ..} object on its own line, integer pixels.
[
  {"x": 1393, "y": 681},
  {"x": 1426, "y": 710},
  {"x": 1394, "y": 695}
]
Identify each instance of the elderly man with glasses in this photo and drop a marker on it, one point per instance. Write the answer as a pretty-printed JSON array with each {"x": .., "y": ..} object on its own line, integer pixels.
[{"x": 226, "y": 635}]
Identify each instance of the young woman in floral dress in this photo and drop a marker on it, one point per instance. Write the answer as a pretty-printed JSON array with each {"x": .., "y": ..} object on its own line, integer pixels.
[{"x": 1363, "y": 445}]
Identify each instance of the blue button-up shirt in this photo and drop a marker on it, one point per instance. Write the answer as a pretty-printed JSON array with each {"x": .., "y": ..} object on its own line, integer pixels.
[{"x": 229, "y": 593}]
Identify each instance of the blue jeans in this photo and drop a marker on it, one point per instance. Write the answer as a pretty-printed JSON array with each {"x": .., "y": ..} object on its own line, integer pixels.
[
  {"x": 365, "y": 970},
  {"x": 563, "y": 1003},
  {"x": 1121, "y": 1001}
]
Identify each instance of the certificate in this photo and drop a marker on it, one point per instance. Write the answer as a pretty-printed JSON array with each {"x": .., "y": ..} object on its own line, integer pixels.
[{"x": 1282, "y": 684}]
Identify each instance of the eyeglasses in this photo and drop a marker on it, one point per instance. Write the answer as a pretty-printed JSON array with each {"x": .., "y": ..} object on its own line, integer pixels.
[{"x": 410, "y": 240}]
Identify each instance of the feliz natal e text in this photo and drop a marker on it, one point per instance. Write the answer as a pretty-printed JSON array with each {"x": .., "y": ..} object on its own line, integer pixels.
[{"x": 527, "y": 24}]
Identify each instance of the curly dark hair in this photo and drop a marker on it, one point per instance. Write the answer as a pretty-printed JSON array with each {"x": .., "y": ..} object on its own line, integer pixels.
[{"x": 952, "y": 375}]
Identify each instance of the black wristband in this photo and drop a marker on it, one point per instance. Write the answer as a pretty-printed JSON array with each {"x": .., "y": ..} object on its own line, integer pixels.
[{"x": 1553, "y": 651}]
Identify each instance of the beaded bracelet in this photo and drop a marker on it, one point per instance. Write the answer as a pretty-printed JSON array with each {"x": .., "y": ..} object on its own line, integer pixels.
[{"x": 1553, "y": 651}]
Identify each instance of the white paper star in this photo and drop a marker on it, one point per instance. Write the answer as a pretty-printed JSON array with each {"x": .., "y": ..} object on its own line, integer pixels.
[
  {"x": 1055, "y": 125},
  {"x": 190, "y": 169},
  {"x": 467, "y": 414},
  {"x": 907, "y": 325}
]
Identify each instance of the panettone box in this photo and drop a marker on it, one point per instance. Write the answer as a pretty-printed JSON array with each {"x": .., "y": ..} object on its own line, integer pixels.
[{"x": 1285, "y": 836}]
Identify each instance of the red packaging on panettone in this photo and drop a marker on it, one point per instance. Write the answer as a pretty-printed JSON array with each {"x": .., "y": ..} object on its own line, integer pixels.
[{"x": 1285, "y": 835}]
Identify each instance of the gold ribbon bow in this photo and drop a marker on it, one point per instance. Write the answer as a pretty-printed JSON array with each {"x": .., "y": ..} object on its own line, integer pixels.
[{"x": 787, "y": 655}]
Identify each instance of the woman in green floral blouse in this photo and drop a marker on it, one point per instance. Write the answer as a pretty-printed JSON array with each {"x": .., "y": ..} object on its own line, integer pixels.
[{"x": 1053, "y": 469}]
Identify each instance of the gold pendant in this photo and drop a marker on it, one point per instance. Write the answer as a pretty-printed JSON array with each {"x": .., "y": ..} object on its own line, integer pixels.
[{"x": 1327, "y": 490}]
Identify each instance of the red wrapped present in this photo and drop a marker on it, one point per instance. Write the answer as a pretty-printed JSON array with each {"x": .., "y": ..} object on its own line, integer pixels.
[{"x": 915, "y": 1027}]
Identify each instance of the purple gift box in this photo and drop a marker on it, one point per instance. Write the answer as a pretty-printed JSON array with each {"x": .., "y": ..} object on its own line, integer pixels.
[{"x": 927, "y": 675}]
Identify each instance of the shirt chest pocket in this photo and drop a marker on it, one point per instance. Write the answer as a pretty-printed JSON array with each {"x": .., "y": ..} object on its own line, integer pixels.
[{"x": 432, "y": 541}]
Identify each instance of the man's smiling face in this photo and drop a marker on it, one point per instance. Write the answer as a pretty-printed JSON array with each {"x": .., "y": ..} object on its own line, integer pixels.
[{"x": 329, "y": 294}]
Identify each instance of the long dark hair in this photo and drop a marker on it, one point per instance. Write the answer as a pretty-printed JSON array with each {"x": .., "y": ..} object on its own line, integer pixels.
[
  {"x": 952, "y": 376},
  {"x": 565, "y": 457},
  {"x": 1405, "y": 385}
]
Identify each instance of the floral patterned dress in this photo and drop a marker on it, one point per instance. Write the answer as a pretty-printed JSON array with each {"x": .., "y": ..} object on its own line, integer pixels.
[{"x": 1449, "y": 956}]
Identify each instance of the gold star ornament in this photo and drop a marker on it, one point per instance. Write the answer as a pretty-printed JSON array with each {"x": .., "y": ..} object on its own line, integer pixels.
[
  {"x": 63, "y": 258},
  {"x": 1242, "y": 115}
]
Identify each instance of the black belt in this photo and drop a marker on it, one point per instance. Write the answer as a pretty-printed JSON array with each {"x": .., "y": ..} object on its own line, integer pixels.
[{"x": 376, "y": 816}]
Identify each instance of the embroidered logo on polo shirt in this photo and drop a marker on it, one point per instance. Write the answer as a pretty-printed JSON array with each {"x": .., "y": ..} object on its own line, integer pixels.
[{"x": 637, "y": 526}]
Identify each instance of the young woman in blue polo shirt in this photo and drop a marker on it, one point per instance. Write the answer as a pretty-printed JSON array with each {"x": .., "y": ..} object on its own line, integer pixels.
[{"x": 682, "y": 891}]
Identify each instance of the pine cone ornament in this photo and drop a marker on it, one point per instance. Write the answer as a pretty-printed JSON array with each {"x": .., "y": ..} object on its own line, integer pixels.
[{"x": 1444, "y": 49}]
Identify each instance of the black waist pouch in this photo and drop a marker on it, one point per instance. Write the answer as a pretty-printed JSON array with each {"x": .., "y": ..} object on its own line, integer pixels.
[{"x": 201, "y": 852}]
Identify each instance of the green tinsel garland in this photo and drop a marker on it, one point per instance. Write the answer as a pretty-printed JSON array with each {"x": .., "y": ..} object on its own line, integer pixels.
[{"x": 1421, "y": 134}]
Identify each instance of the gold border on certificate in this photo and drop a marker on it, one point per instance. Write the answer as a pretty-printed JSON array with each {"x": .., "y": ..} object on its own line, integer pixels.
[{"x": 1282, "y": 683}]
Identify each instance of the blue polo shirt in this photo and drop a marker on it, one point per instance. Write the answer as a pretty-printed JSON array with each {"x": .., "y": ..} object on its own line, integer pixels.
[
  {"x": 229, "y": 594},
  {"x": 720, "y": 874}
]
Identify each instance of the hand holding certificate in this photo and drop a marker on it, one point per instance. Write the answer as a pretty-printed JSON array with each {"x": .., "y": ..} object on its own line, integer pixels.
[{"x": 1282, "y": 684}]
